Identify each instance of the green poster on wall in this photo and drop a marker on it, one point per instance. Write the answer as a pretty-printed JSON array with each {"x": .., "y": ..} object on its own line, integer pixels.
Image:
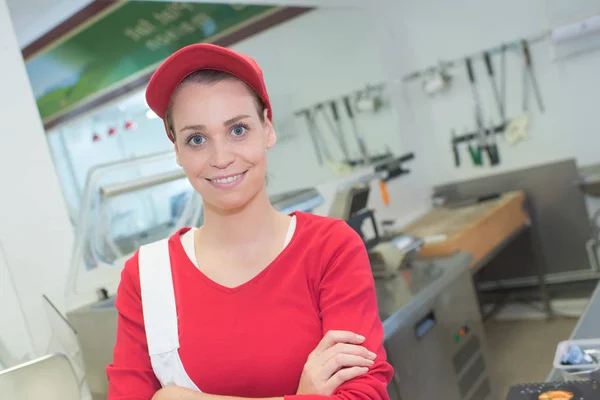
[{"x": 128, "y": 40}]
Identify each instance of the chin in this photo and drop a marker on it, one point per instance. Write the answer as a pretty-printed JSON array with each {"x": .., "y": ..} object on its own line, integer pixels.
[{"x": 227, "y": 203}]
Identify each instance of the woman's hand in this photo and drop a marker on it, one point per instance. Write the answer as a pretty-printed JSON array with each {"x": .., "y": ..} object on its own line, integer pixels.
[{"x": 338, "y": 358}]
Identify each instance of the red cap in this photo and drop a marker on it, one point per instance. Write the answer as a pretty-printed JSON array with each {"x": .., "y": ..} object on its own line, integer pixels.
[{"x": 197, "y": 57}]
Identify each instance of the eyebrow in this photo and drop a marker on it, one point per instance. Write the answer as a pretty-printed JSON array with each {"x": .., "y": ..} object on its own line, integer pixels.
[{"x": 203, "y": 127}]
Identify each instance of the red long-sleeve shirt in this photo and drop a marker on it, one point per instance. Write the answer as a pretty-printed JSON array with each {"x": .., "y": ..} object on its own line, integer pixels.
[{"x": 253, "y": 340}]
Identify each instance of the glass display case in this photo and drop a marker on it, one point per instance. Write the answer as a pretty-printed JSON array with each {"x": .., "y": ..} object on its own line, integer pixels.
[{"x": 125, "y": 205}]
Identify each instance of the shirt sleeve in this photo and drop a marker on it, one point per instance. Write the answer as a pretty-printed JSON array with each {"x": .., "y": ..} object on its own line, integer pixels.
[
  {"x": 347, "y": 301},
  {"x": 130, "y": 376}
]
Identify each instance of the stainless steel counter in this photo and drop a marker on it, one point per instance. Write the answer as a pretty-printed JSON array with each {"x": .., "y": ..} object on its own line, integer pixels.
[
  {"x": 588, "y": 326},
  {"x": 434, "y": 333},
  {"x": 410, "y": 287},
  {"x": 410, "y": 284}
]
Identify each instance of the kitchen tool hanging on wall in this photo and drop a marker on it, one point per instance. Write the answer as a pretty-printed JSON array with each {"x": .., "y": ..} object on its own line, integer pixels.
[
  {"x": 458, "y": 63},
  {"x": 357, "y": 136},
  {"x": 335, "y": 128},
  {"x": 368, "y": 100},
  {"x": 514, "y": 129},
  {"x": 491, "y": 148},
  {"x": 437, "y": 81},
  {"x": 529, "y": 77},
  {"x": 455, "y": 151},
  {"x": 497, "y": 95},
  {"x": 322, "y": 151},
  {"x": 476, "y": 150},
  {"x": 517, "y": 128},
  {"x": 472, "y": 140}
]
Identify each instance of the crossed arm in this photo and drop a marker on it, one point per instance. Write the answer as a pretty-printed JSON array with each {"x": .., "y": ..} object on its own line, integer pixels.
[{"x": 339, "y": 357}]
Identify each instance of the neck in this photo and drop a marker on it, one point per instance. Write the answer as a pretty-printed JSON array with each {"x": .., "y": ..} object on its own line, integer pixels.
[{"x": 250, "y": 224}]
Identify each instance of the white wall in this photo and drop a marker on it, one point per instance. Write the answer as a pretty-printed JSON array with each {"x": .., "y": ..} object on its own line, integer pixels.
[
  {"x": 15, "y": 342},
  {"x": 35, "y": 234},
  {"x": 439, "y": 30},
  {"x": 46, "y": 14}
]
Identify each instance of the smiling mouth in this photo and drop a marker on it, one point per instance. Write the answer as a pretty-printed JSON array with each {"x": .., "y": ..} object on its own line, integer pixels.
[{"x": 229, "y": 179}]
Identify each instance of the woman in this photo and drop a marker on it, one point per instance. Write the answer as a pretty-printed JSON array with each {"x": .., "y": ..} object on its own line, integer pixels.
[{"x": 255, "y": 303}]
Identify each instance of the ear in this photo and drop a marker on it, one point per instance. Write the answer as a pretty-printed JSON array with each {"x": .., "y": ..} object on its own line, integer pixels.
[
  {"x": 178, "y": 160},
  {"x": 271, "y": 136}
]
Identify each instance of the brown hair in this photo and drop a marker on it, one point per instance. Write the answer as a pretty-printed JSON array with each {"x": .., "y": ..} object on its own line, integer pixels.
[{"x": 210, "y": 77}]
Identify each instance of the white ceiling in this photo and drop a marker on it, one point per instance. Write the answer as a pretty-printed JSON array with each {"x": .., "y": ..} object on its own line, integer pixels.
[{"x": 33, "y": 18}]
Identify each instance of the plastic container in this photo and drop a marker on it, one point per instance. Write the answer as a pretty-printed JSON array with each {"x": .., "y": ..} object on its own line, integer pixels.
[{"x": 578, "y": 372}]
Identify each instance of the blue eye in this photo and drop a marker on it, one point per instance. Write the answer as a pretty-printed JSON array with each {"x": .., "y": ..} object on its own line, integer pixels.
[
  {"x": 238, "y": 130},
  {"x": 196, "y": 140}
]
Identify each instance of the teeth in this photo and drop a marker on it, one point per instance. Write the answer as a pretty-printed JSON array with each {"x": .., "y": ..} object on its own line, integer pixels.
[{"x": 227, "y": 180}]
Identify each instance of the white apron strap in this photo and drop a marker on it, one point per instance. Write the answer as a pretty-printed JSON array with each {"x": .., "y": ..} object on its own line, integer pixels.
[{"x": 160, "y": 315}]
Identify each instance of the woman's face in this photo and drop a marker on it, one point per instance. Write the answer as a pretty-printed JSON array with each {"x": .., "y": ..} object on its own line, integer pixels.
[{"x": 221, "y": 142}]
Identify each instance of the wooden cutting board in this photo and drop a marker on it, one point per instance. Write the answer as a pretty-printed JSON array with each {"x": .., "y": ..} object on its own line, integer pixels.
[{"x": 477, "y": 228}]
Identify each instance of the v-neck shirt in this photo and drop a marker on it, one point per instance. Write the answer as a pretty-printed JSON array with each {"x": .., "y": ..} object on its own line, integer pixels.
[
  {"x": 188, "y": 243},
  {"x": 253, "y": 340}
]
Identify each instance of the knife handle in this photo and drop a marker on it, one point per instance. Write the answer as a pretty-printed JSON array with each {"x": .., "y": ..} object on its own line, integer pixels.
[
  {"x": 348, "y": 107},
  {"x": 526, "y": 53},
  {"x": 334, "y": 110},
  {"x": 488, "y": 63},
  {"x": 470, "y": 70}
]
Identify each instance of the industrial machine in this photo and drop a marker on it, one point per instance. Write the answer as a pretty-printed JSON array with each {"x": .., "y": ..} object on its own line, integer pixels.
[{"x": 386, "y": 253}]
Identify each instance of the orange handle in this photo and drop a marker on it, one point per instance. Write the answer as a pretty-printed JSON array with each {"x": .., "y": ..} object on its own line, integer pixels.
[{"x": 384, "y": 193}]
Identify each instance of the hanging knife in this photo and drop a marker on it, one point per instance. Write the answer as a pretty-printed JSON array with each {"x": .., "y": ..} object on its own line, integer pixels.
[{"x": 497, "y": 96}]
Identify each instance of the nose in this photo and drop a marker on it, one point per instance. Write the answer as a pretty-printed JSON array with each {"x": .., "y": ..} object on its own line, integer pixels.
[{"x": 222, "y": 156}]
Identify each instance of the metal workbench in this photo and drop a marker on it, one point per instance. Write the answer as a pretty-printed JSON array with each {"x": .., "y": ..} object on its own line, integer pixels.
[
  {"x": 588, "y": 327},
  {"x": 540, "y": 267}
]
